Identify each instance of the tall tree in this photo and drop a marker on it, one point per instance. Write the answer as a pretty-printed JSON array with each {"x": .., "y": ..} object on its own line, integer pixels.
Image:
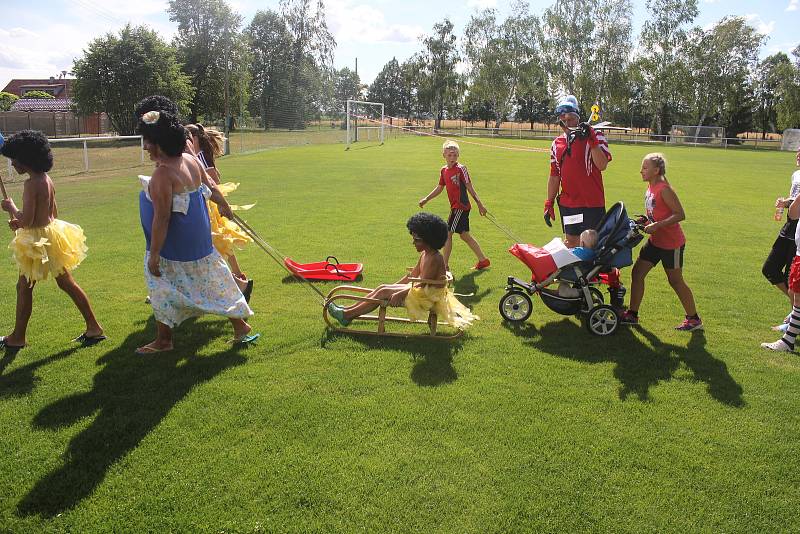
[
  {"x": 440, "y": 83},
  {"x": 767, "y": 86},
  {"x": 212, "y": 52},
  {"x": 347, "y": 86},
  {"x": 270, "y": 45},
  {"x": 789, "y": 91},
  {"x": 567, "y": 28},
  {"x": 501, "y": 56},
  {"x": 311, "y": 55},
  {"x": 662, "y": 61},
  {"x": 116, "y": 71},
  {"x": 611, "y": 50},
  {"x": 389, "y": 87}
]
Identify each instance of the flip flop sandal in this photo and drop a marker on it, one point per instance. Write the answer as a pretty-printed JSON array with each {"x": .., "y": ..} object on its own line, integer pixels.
[
  {"x": 88, "y": 341},
  {"x": 147, "y": 349},
  {"x": 245, "y": 340}
]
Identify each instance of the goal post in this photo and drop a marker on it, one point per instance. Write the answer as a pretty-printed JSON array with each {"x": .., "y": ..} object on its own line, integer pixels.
[
  {"x": 790, "y": 139},
  {"x": 364, "y": 120},
  {"x": 696, "y": 135}
]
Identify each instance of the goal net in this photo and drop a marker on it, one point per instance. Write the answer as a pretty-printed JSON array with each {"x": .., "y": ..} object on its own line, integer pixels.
[
  {"x": 790, "y": 140},
  {"x": 365, "y": 122},
  {"x": 707, "y": 135}
]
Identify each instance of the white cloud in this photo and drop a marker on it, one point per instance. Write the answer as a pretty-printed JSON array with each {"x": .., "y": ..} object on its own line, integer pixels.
[
  {"x": 794, "y": 5},
  {"x": 482, "y": 4},
  {"x": 361, "y": 23},
  {"x": 764, "y": 28}
]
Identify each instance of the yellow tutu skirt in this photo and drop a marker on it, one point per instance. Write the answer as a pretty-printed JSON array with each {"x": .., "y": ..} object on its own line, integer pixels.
[
  {"x": 226, "y": 235},
  {"x": 422, "y": 300},
  {"x": 51, "y": 250}
]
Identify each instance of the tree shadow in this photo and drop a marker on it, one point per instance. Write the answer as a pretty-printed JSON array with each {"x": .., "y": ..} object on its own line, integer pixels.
[
  {"x": 291, "y": 279},
  {"x": 23, "y": 380},
  {"x": 640, "y": 364},
  {"x": 433, "y": 358},
  {"x": 130, "y": 396},
  {"x": 467, "y": 285}
]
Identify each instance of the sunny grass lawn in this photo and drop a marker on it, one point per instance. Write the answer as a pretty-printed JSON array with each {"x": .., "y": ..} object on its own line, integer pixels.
[{"x": 546, "y": 428}]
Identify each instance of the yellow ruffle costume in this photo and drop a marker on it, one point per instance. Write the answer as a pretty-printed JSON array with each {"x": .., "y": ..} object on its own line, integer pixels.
[
  {"x": 226, "y": 234},
  {"x": 48, "y": 251},
  {"x": 421, "y": 300}
]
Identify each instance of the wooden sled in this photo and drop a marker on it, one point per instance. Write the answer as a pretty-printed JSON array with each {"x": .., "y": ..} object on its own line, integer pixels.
[{"x": 354, "y": 294}]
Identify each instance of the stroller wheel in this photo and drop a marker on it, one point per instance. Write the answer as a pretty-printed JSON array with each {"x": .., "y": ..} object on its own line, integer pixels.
[
  {"x": 597, "y": 296},
  {"x": 602, "y": 320},
  {"x": 515, "y": 306}
]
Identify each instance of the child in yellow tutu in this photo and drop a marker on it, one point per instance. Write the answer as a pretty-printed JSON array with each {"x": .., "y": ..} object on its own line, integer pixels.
[
  {"x": 226, "y": 235},
  {"x": 429, "y": 234},
  {"x": 43, "y": 246}
]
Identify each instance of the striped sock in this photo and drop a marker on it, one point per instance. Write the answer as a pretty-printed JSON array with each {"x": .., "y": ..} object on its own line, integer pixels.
[{"x": 794, "y": 327}]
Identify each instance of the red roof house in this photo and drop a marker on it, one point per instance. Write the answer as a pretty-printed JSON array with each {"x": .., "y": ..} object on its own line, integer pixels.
[{"x": 58, "y": 87}]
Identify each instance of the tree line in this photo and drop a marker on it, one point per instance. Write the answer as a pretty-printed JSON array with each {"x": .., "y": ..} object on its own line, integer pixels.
[{"x": 279, "y": 68}]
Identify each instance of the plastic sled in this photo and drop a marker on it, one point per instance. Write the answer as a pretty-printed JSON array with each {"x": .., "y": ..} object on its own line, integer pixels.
[
  {"x": 325, "y": 270},
  {"x": 346, "y": 295}
]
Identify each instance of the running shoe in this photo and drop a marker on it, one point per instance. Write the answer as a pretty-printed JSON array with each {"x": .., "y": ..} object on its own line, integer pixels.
[
  {"x": 778, "y": 346},
  {"x": 690, "y": 325},
  {"x": 484, "y": 263},
  {"x": 628, "y": 318}
]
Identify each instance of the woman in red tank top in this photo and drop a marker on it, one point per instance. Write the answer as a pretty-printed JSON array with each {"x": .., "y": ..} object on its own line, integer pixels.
[{"x": 666, "y": 243}]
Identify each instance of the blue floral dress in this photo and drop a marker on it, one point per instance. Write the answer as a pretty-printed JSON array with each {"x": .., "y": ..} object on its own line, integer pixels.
[{"x": 195, "y": 280}]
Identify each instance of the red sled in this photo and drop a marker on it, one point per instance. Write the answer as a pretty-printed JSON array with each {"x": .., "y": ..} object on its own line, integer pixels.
[{"x": 325, "y": 270}]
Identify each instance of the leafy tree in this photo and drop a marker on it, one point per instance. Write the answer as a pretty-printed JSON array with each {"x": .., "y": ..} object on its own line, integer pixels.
[
  {"x": 567, "y": 44},
  {"x": 611, "y": 47},
  {"x": 390, "y": 88},
  {"x": 501, "y": 56},
  {"x": 38, "y": 94},
  {"x": 767, "y": 85},
  {"x": 789, "y": 94},
  {"x": 116, "y": 71},
  {"x": 270, "y": 44},
  {"x": 213, "y": 54},
  {"x": 7, "y": 100},
  {"x": 347, "y": 86},
  {"x": 311, "y": 57},
  {"x": 440, "y": 86},
  {"x": 662, "y": 62}
]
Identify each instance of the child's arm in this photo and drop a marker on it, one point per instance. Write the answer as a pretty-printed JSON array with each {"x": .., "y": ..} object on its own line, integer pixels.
[
  {"x": 216, "y": 196},
  {"x": 433, "y": 194},
  {"x": 161, "y": 194},
  {"x": 671, "y": 200},
  {"x": 481, "y": 207},
  {"x": 27, "y": 215}
]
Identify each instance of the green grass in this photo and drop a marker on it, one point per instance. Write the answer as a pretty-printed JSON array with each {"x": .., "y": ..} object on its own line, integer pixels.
[{"x": 543, "y": 428}]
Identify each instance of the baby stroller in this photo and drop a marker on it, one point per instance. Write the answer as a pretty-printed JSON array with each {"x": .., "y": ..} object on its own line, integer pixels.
[{"x": 617, "y": 235}]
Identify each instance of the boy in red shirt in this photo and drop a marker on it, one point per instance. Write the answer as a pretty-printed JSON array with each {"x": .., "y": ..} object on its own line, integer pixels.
[{"x": 455, "y": 178}]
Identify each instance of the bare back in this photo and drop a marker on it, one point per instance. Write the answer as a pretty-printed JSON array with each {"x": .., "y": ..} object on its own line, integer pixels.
[
  {"x": 39, "y": 201},
  {"x": 431, "y": 266}
]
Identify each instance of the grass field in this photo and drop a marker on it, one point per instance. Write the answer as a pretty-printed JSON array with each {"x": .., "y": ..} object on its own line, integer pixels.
[{"x": 543, "y": 428}]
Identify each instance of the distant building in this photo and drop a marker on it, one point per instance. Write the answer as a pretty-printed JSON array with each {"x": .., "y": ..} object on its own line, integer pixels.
[
  {"x": 42, "y": 104},
  {"x": 58, "y": 87}
]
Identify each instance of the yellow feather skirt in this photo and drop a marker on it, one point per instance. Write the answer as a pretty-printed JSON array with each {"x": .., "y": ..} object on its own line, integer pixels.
[
  {"x": 226, "y": 235},
  {"x": 48, "y": 251},
  {"x": 420, "y": 301}
]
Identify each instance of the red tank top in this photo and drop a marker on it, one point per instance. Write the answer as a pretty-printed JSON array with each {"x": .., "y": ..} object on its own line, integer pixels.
[{"x": 667, "y": 237}]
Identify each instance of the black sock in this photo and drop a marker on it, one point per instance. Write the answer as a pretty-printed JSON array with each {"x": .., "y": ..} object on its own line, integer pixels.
[{"x": 695, "y": 317}]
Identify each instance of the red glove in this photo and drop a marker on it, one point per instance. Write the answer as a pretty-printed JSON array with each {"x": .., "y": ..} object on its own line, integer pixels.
[
  {"x": 549, "y": 212},
  {"x": 591, "y": 135}
]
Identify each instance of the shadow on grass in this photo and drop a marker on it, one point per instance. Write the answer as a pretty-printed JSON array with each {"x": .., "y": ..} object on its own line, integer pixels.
[
  {"x": 325, "y": 285},
  {"x": 466, "y": 285},
  {"x": 130, "y": 396},
  {"x": 639, "y": 365},
  {"x": 22, "y": 380},
  {"x": 433, "y": 358}
]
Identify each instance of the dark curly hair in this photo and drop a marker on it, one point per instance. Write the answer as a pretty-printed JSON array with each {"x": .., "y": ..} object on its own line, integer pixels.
[
  {"x": 431, "y": 228},
  {"x": 31, "y": 148},
  {"x": 155, "y": 103},
  {"x": 166, "y": 132}
]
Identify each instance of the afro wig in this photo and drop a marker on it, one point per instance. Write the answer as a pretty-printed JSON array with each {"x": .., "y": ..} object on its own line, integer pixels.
[
  {"x": 431, "y": 228},
  {"x": 156, "y": 103},
  {"x": 163, "y": 130},
  {"x": 31, "y": 148}
]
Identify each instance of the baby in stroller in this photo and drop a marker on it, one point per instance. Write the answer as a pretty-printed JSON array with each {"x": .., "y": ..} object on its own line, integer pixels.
[{"x": 577, "y": 272}]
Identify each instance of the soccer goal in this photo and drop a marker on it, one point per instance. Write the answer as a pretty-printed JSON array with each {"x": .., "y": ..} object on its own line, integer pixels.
[
  {"x": 696, "y": 135},
  {"x": 365, "y": 122},
  {"x": 790, "y": 140}
]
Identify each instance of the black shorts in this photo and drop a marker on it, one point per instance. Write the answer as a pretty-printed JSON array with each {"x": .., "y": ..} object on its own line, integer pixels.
[
  {"x": 776, "y": 267},
  {"x": 672, "y": 258},
  {"x": 576, "y": 220},
  {"x": 458, "y": 221}
]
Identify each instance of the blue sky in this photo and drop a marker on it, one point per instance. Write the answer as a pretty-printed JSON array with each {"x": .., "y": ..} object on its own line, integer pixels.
[{"x": 41, "y": 38}]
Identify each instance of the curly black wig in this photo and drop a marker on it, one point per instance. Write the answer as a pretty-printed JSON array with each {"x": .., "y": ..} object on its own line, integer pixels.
[
  {"x": 431, "y": 228},
  {"x": 156, "y": 103},
  {"x": 31, "y": 148},
  {"x": 163, "y": 130}
]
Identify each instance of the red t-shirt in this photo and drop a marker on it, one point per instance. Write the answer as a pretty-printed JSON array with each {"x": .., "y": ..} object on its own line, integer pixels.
[
  {"x": 581, "y": 181},
  {"x": 667, "y": 237},
  {"x": 455, "y": 180}
]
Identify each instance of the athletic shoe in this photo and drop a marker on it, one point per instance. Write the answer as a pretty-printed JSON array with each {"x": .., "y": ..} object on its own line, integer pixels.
[
  {"x": 337, "y": 313},
  {"x": 690, "y": 325},
  {"x": 628, "y": 318},
  {"x": 484, "y": 263},
  {"x": 777, "y": 346}
]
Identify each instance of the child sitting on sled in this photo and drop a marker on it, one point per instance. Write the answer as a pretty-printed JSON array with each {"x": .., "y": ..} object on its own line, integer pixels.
[{"x": 429, "y": 234}]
